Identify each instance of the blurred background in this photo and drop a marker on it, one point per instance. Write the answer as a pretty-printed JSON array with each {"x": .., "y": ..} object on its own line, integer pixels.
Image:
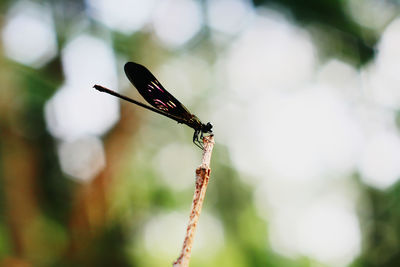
[{"x": 304, "y": 97}]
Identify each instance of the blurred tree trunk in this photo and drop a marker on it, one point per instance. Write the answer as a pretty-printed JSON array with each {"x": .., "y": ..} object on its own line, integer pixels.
[{"x": 90, "y": 211}]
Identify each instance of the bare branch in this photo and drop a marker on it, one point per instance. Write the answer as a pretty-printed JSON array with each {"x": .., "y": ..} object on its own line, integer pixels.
[{"x": 202, "y": 177}]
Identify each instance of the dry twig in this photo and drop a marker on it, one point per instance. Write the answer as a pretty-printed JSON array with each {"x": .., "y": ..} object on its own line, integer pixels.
[{"x": 202, "y": 177}]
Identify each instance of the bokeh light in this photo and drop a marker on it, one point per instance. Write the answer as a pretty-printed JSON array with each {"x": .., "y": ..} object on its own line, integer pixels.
[
  {"x": 382, "y": 78},
  {"x": 228, "y": 16},
  {"x": 304, "y": 99},
  {"x": 164, "y": 233},
  {"x": 82, "y": 158},
  {"x": 166, "y": 160},
  {"x": 72, "y": 113},
  {"x": 330, "y": 232},
  {"x": 373, "y": 14},
  {"x": 183, "y": 73},
  {"x": 77, "y": 110},
  {"x": 88, "y": 60},
  {"x": 380, "y": 161},
  {"x": 125, "y": 16},
  {"x": 28, "y": 35},
  {"x": 175, "y": 22},
  {"x": 323, "y": 142},
  {"x": 266, "y": 57},
  {"x": 328, "y": 229}
]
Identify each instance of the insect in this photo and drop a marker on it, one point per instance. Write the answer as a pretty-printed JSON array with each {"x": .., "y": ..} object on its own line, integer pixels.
[{"x": 161, "y": 101}]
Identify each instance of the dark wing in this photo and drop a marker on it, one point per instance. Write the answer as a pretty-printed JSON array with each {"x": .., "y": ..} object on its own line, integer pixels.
[{"x": 154, "y": 93}]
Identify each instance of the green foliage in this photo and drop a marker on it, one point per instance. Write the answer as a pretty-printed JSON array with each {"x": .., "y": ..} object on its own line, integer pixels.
[
  {"x": 132, "y": 192},
  {"x": 356, "y": 43}
]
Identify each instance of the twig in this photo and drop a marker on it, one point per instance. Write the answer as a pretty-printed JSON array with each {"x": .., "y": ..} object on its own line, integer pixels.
[{"x": 202, "y": 177}]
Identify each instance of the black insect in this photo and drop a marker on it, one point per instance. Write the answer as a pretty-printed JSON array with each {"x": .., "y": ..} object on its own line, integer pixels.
[{"x": 162, "y": 101}]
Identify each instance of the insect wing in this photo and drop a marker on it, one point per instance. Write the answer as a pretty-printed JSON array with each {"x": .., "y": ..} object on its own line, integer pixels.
[{"x": 153, "y": 92}]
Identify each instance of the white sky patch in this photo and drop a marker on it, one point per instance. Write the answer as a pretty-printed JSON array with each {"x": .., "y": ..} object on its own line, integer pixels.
[
  {"x": 163, "y": 233},
  {"x": 83, "y": 158},
  {"x": 126, "y": 16},
  {"x": 28, "y": 34},
  {"x": 228, "y": 16},
  {"x": 175, "y": 22}
]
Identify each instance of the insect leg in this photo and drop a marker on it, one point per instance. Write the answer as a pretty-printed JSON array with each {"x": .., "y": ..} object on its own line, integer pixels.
[
  {"x": 196, "y": 140},
  {"x": 199, "y": 144},
  {"x": 195, "y": 135}
]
